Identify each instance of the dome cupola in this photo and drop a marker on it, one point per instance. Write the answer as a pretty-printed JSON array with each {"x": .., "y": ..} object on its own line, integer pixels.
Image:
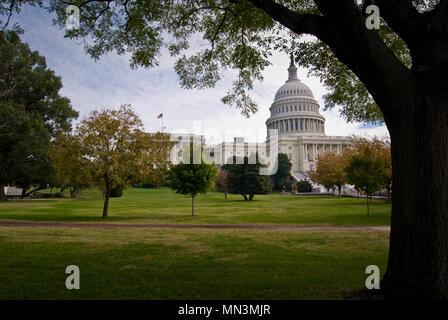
[{"x": 294, "y": 110}]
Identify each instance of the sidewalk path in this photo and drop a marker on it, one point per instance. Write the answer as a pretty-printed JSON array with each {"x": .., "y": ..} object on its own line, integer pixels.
[{"x": 107, "y": 225}]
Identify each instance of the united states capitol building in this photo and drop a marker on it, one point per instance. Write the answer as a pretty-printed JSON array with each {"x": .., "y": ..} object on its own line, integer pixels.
[{"x": 300, "y": 128}]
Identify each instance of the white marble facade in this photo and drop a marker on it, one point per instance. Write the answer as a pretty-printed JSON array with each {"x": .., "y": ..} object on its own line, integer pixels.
[{"x": 300, "y": 128}]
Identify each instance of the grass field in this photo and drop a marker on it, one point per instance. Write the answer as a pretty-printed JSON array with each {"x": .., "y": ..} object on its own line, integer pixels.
[
  {"x": 187, "y": 263},
  {"x": 164, "y": 206}
]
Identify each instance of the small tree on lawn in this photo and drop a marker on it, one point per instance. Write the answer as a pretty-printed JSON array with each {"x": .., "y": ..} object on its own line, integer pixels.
[
  {"x": 221, "y": 182},
  {"x": 192, "y": 178},
  {"x": 365, "y": 172},
  {"x": 113, "y": 143},
  {"x": 245, "y": 179},
  {"x": 330, "y": 170}
]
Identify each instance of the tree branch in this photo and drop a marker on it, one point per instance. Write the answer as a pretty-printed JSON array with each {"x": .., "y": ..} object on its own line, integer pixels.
[
  {"x": 402, "y": 17},
  {"x": 342, "y": 28},
  {"x": 299, "y": 23}
]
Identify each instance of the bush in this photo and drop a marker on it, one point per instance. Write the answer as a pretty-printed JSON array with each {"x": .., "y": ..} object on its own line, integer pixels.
[
  {"x": 58, "y": 195},
  {"x": 46, "y": 195},
  {"x": 304, "y": 186},
  {"x": 116, "y": 193}
]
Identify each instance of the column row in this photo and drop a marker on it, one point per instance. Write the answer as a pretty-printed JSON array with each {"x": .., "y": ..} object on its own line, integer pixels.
[{"x": 293, "y": 125}]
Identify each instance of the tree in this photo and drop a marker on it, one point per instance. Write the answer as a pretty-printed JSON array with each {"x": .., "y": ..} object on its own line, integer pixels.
[
  {"x": 304, "y": 186},
  {"x": 282, "y": 178},
  {"x": 365, "y": 172},
  {"x": 191, "y": 178},
  {"x": 221, "y": 182},
  {"x": 69, "y": 163},
  {"x": 155, "y": 159},
  {"x": 113, "y": 143},
  {"x": 396, "y": 74},
  {"x": 31, "y": 113},
  {"x": 330, "y": 170},
  {"x": 380, "y": 149},
  {"x": 245, "y": 179}
]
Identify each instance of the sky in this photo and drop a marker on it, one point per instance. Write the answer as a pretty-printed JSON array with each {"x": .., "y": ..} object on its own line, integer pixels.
[{"x": 110, "y": 82}]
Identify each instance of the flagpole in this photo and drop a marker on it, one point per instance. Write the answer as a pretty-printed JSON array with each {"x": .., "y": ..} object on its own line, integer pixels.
[{"x": 162, "y": 124}]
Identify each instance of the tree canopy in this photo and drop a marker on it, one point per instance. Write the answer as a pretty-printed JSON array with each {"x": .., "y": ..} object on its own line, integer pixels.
[
  {"x": 330, "y": 170},
  {"x": 242, "y": 36},
  {"x": 244, "y": 178},
  {"x": 116, "y": 151},
  {"x": 282, "y": 179},
  {"x": 192, "y": 178},
  {"x": 31, "y": 113}
]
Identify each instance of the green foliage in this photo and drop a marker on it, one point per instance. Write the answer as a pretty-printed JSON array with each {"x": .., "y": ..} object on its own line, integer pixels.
[
  {"x": 191, "y": 178},
  {"x": 365, "y": 172},
  {"x": 245, "y": 179},
  {"x": 116, "y": 193},
  {"x": 31, "y": 114},
  {"x": 115, "y": 149},
  {"x": 304, "y": 186},
  {"x": 282, "y": 178}
]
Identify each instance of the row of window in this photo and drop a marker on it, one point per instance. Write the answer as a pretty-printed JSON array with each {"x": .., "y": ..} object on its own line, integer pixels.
[
  {"x": 296, "y": 91},
  {"x": 291, "y": 125},
  {"x": 284, "y": 109}
]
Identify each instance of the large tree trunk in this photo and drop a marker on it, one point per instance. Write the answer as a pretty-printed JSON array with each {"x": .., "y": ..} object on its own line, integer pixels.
[
  {"x": 192, "y": 205},
  {"x": 418, "y": 254}
]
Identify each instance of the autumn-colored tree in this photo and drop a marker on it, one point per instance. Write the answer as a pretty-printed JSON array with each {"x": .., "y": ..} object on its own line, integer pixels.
[
  {"x": 154, "y": 163},
  {"x": 69, "y": 164},
  {"x": 221, "y": 181},
  {"x": 117, "y": 149},
  {"x": 330, "y": 170},
  {"x": 380, "y": 149}
]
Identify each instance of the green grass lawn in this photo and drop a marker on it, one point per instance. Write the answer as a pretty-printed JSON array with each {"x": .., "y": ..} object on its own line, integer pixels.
[
  {"x": 186, "y": 264},
  {"x": 191, "y": 263},
  {"x": 164, "y": 206}
]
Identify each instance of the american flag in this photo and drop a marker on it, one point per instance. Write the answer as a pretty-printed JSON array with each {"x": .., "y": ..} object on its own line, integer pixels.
[{"x": 160, "y": 116}]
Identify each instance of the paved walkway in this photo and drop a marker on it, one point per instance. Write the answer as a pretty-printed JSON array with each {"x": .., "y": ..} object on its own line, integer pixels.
[{"x": 108, "y": 225}]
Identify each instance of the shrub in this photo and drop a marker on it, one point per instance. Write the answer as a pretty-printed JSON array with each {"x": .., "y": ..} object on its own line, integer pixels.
[
  {"x": 304, "y": 186},
  {"x": 116, "y": 193}
]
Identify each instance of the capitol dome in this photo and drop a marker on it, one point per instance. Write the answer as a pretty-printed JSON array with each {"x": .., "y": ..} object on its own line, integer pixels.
[{"x": 294, "y": 110}]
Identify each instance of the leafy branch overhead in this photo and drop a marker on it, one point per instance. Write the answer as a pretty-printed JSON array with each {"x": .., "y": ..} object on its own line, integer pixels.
[
  {"x": 238, "y": 35},
  {"x": 241, "y": 35}
]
